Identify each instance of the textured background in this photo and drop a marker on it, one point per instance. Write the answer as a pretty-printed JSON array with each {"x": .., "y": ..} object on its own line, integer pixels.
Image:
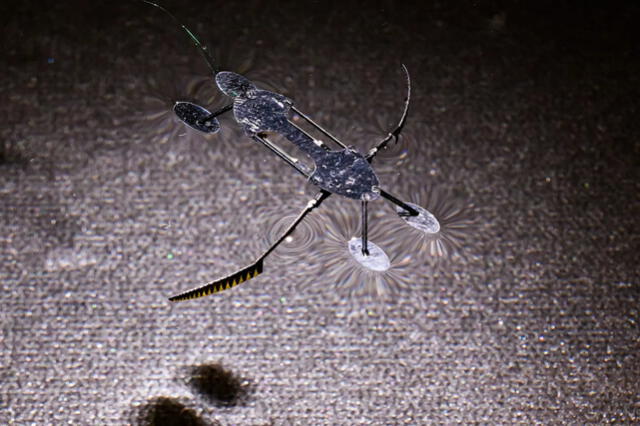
[{"x": 522, "y": 137}]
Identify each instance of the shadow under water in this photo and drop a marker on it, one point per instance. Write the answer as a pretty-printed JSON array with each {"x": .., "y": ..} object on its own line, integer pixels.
[
  {"x": 165, "y": 411},
  {"x": 219, "y": 386}
]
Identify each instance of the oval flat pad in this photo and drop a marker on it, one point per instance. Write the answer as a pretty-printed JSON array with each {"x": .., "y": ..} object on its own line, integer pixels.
[
  {"x": 425, "y": 221},
  {"x": 234, "y": 85},
  {"x": 377, "y": 260},
  {"x": 195, "y": 117}
]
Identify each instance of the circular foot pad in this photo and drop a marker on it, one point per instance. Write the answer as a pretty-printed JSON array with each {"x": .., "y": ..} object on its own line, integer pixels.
[
  {"x": 195, "y": 117},
  {"x": 424, "y": 221},
  {"x": 377, "y": 260}
]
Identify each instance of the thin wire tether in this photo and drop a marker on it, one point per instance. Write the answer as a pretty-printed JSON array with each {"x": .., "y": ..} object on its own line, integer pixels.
[{"x": 202, "y": 48}]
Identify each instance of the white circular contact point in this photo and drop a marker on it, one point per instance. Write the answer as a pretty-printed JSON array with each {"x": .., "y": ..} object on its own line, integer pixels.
[
  {"x": 424, "y": 221},
  {"x": 377, "y": 260}
]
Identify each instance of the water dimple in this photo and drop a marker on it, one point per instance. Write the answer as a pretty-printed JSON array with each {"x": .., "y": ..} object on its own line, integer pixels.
[{"x": 295, "y": 245}]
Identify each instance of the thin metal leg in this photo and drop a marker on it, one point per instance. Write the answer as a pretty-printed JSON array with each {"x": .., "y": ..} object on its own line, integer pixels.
[
  {"x": 216, "y": 113},
  {"x": 410, "y": 210},
  {"x": 301, "y": 168},
  {"x": 312, "y": 204},
  {"x": 365, "y": 225},
  {"x": 254, "y": 269},
  {"x": 317, "y": 126}
]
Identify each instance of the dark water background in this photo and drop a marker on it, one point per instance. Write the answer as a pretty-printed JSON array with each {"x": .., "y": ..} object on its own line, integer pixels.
[{"x": 522, "y": 137}]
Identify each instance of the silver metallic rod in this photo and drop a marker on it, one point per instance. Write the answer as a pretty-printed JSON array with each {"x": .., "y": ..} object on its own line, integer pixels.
[
  {"x": 365, "y": 226},
  {"x": 317, "y": 126},
  {"x": 301, "y": 168}
]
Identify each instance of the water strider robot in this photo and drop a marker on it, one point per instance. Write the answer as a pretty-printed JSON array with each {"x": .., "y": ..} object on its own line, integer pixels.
[{"x": 343, "y": 171}]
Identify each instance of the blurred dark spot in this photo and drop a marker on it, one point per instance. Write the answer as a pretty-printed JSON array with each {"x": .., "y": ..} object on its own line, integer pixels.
[
  {"x": 164, "y": 411},
  {"x": 218, "y": 385},
  {"x": 11, "y": 154}
]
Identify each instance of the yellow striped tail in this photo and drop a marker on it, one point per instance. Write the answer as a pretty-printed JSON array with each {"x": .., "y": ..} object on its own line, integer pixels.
[{"x": 225, "y": 283}]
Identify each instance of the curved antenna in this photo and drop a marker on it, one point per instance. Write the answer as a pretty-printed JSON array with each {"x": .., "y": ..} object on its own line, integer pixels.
[
  {"x": 403, "y": 120},
  {"x": 202, "y": 48},
  {"x": 395, "y": 132}
]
